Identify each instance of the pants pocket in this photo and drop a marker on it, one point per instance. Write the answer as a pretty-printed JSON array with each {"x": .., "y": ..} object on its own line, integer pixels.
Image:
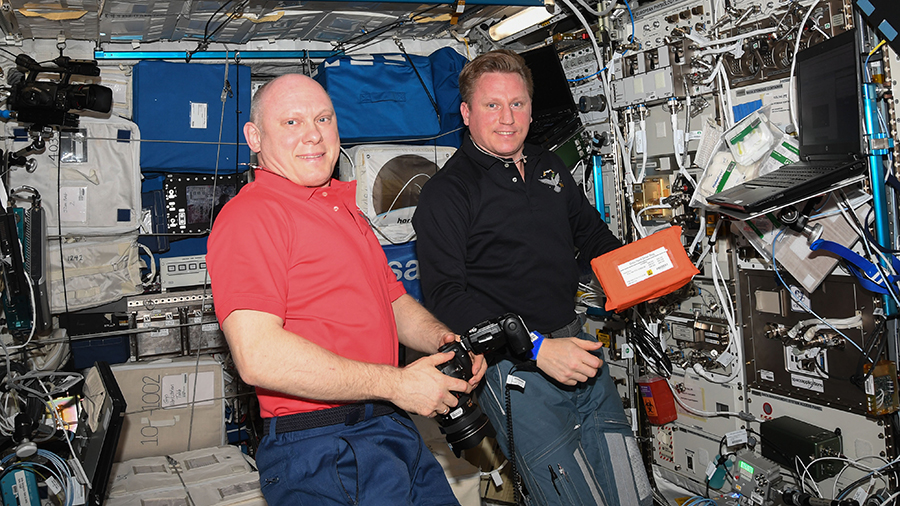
[
  {"x": 347, "y": 469},
  {"x": 276, "y": 486},
  {"x": 567, "y": 488}
]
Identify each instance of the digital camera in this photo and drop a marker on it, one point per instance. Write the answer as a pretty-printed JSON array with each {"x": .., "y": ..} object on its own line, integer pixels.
[{"x": 466, "y": 425}]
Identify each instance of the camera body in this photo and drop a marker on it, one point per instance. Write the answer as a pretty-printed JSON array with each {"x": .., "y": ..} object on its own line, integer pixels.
[
  {"x": 47, "y": 104},
  {"x": 466, "y": 425}
]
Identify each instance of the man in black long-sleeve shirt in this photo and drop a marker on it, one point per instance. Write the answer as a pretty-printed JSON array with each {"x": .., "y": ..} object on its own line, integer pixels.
[{"x": 498, "y": 228}]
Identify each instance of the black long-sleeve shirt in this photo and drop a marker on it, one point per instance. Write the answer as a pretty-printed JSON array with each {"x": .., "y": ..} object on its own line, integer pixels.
[{"x": 489, "y": 243}]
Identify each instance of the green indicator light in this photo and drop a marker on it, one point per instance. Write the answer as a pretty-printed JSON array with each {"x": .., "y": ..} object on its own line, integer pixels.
[{"x": 746, "y": 467}]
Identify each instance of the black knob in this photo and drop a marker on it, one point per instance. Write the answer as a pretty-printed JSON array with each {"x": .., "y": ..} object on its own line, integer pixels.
[{"x": 592, "y": 103}]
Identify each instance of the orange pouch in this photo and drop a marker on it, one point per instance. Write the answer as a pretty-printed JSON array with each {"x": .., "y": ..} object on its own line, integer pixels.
[{"x": 645, "y": 269}]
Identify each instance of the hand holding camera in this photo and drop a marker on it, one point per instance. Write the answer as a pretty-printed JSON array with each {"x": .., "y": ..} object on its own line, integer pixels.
[{"x": 465, "y": 425}]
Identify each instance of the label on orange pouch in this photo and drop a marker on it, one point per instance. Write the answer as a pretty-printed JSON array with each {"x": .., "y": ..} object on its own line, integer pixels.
[{"x": 645, "y": 266}]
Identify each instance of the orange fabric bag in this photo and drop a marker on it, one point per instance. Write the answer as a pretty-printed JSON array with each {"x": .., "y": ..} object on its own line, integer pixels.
[{"x": 645, "y": 269}]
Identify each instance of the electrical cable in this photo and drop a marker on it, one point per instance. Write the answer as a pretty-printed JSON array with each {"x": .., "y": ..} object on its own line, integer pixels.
[
  {"x": 650, "y": 208},
  {"x": 604, "y": 82},
  {"x": 371, "y": 35},
  {"x": 700, "y": 233},
  {"x": 579, "y": 79},
  {"x": 628, "y": 6},
  {"x": 48, "y": 401},
  {"x": 850, "y": 217},
  {"x": 834, "y": 489},
  {"x": 384, "y": 216},
  {"x": 891, "y": 498},
  {"x": 62, "y": 262},
  {"x": 797, "y": 299},
  {"x": 792, "y": 108},
  {"x": 644, "y": 145},
  {"x": 856, "y": 483},
  {"x": 871, "y": 238},
  {"x": 866, "y": 64},
  {"x": 721, "y": 459},
  {"x": 599, "y": 14},
  {"x": 876, "y": 336},
  {"x": 725, "y": 305},
  {"x": 9, "y": 52},
  {"x": 206, "y": 33},
  {"x": 799, "y": 462},
  {"x": 517, "y": 480},
  {"x": 644, "y": 343},
  {"x": 849, "y": 463}
]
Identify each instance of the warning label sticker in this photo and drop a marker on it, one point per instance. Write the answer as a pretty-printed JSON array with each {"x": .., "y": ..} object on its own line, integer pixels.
[{"x": 645, "y": 266}]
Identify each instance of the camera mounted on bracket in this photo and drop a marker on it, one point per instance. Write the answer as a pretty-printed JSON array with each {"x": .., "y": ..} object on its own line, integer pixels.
[
  {"x": 45, "y": 105},
  {"x": 465, "y": 425}
]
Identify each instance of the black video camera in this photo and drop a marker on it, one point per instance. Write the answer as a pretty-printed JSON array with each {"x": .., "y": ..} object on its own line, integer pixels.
[
  {"x": 47, "y": 104},
  {"x": 465, "y": 425}
]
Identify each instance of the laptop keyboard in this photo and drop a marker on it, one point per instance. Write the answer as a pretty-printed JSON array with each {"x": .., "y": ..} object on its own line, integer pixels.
[{"x": 787, "y": 177}]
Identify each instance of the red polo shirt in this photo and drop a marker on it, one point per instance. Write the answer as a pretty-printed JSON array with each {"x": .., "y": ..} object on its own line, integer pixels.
[{"x": 308, "y": 256}]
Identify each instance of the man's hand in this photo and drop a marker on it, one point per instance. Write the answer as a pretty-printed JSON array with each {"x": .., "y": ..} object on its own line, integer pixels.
[
  {"x": 479, "y": 367},
  {"x": 425, "y": 390},
  {"x": 479, "y": 364},
  {"x": 569, "y": 360}
]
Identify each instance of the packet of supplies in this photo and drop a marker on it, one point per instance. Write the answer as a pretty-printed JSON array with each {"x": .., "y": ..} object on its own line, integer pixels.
[
  {"x": 721, "y": 173},
  {"x": 752, "y": 148},
  {"x": 750, "y": 138},
  {"x": 645, "y": 269},
  {"x": 785, "y": 152}
]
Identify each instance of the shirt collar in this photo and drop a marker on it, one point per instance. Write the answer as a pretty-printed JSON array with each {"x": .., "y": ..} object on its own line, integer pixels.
[
  {"x": 280, "y": 184},
  {"x": 486, "y": 161}
]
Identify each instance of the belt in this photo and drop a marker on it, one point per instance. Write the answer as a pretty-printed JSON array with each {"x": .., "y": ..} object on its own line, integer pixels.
[
  {"x": 570, "y": 330},
  {"x": 348, "y": 414}
]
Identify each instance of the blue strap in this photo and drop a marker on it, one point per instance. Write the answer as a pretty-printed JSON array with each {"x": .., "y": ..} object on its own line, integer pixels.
[
  {"x": 868, "y": 274},
  {"x": 536, "y": 340}
]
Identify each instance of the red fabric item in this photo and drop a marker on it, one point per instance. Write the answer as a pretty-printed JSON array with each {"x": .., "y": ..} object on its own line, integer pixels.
[
  {"x": 645, "y": 269},
  {"x": 308, "y": 256}
]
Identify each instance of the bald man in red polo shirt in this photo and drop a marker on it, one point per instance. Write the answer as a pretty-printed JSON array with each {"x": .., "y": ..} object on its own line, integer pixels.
[{"x": 314, "y": 317}]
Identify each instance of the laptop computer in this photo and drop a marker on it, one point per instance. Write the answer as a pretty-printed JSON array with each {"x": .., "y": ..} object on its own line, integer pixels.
[
  {"x": 829, "y": 95},
  {"x": 553, "y": 110},
  {"x": 99, "y": 427}
]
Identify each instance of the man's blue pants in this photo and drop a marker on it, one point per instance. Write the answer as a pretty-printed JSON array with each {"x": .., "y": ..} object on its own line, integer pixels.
[
  {"x": 573, "y": 445},
  {"x": 379, "y": 461}
]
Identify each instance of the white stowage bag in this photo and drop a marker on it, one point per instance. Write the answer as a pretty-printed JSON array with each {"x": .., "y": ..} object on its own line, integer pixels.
[
  {"x": 92, "y": 175},
  {"x": 97, "y": 271},
  {"x": 89, "y": 181}
]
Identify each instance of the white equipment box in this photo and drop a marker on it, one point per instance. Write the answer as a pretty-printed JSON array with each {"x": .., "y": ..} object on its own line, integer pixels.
[
  {"x": 173, "y": 405},
  {"x": 177, "y": 272}
]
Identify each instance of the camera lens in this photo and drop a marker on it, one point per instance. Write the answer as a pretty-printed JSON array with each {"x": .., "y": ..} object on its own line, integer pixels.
[{"x": 466, "y": 425}]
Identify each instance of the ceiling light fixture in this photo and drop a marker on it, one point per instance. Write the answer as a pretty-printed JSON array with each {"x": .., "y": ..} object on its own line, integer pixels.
[{"x": 526, "y": 18}]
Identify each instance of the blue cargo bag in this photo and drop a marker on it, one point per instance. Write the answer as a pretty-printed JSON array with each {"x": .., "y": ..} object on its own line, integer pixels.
[
  {"x": 183, "y": 102},
  {"x": 383, "y": 97}
]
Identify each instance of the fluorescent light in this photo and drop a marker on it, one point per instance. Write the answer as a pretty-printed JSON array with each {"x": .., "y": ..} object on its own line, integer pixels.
[{"x": 526, "y": 18}]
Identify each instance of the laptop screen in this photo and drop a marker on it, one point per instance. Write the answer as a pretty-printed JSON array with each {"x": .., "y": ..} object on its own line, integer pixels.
[
  {"x": 552, "y": 99},
  {"x": 828, "y": 94}
]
